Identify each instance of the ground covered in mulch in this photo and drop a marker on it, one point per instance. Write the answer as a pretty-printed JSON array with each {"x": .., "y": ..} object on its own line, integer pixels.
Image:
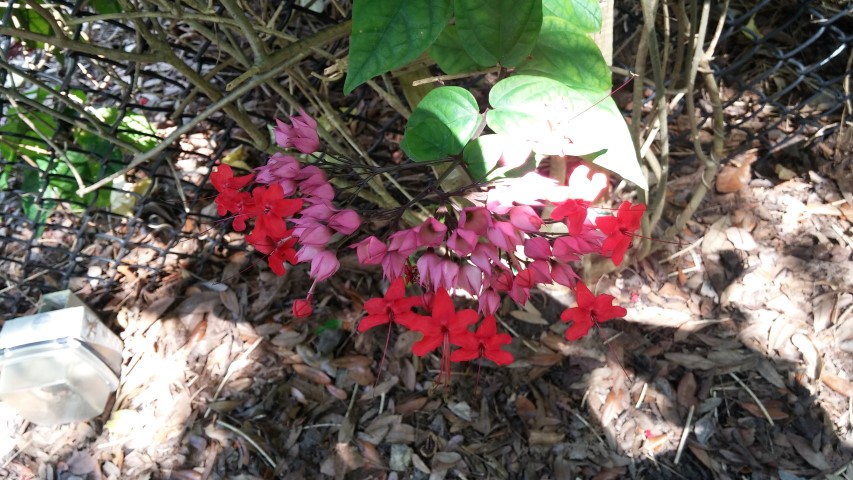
[{"x": 733, "y": 362}]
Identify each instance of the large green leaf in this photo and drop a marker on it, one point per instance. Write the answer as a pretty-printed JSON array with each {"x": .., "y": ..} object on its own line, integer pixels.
[
  {"x": 584, "y": 15},
  {"x": 449, "y": 54},
  {"x": 558, "y": 120},
  {"x": 441, "y": 124},
  {"x": 387, "y": 34},
  {"x": 567, "y": 56},
  {"x": 498, "y": 31}
]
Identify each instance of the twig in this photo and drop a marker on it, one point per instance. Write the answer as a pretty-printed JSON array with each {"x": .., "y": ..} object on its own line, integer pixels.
[
  {"x": 683, "y": 251},
  {"x": 276, "y": 63},
  {"x": 510, "y": 330},
  {"x": 754, "y": 397},
  {"x": 684, "y": 434},
  {"x": 456, "y": 76},
  {"x": 66, "y": 43},
  {"x": 583, "y": 420},
  {"x": 249, "y": 439},
  {"x": 642, "y": 394}
]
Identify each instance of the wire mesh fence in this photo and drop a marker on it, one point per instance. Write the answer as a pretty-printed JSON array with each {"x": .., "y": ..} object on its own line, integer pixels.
[{"x": 72, "y": 116}]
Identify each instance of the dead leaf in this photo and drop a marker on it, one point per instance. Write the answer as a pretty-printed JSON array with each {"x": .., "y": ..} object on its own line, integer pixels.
[
  {"x": 229, "y": 299},
  {"x": 686, "y": 391},
  {"x": 804, "y": 448},
  {"x": 525, "y": 408},
  {"x": 741, "y": 239},
  {"x": 351, "y": 361},
  {"x": 736, "y": 174},
  {"x": 691, "y": 361},
  {"x": 312, "y": 374},
  {"x": 414, "y": 405},
  {"x": 613, "y": 405},
  {"x": 774, "y": 410},
  {"x": 548, "y": 439},
  {"x": 362, "y": 375},
  {"x": 544, "y": 359},
  {"x": 837, "y": 384},
  {"x": 811, "y": 357}
]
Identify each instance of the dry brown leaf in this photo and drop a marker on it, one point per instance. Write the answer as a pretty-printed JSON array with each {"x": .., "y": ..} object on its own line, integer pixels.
[
  {"x": 613, "y": 405},
  {"x": 775, "y": 411},
  {"x": 414, "y": 405},
  {"x": 548, "y": 439},
  {"x": 337, "y": 392},
  {"x": 312, "y": 374},
  {"x": 525, "y": 408},
  {"x": 352, "y": 361},
  {"x": 534, "y": 318},
  {"x": 420, "y": 465},
  {"x": 371, "y": 454},
  {"x": 229, "y": 299},
  {"x": 544, "y": 359},
  {"x": 610, "y": 474},
  {"x": 837, "y": 384},
  {"x": 736, "y": 175},
  {"x": 686, "y": 391},
  {"x": 741, "y": 239},
  {"x": 362, "y": 375}
]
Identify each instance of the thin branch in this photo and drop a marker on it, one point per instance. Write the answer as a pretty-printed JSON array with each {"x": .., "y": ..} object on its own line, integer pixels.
[
  {"x": 248, "y": 30},
  {"x": 275, "y": 64},
  {"x": 77, "y": 46}
]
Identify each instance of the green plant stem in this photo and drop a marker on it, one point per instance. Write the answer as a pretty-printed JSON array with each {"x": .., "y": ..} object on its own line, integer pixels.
[
  {"x": 274, "y": 65},
  {"x": 78, "y": 46},
  {"x": 248, "y": 30}
]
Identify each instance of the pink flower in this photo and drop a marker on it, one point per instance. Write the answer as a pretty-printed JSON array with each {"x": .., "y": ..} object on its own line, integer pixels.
[
  {"x": 489, "y": 302},
  {"x": 563, "y": 274},
  {"x": 502, "y": 282},
  {"x": 504, "y": 236},
  {"x": 302, "y": 134},
  {"x": 521, "y": 285},
  {"x": 475, "y": 219},
  {"x": 431, "y": 233},
  {"x": 470, "y": 278},
  {"x": 462, "y": 241},
  {"x": 279, "y": 167},
  {"x": 345, "y": 222},
  {"x": 320, "y": 212},
  {"x": 404, "y": 242},
  {"x": 317, "y": 235},
  {"x": 541, "y": 270},
  {"x": 484, "y": 256},
  {"x": 393, "y": 264},
  {"x": 524, "y": 218},
  {"x": 537, "y": 248},
  {"x": 370, "y": 251},
  {"x": 324, "y": 265}
]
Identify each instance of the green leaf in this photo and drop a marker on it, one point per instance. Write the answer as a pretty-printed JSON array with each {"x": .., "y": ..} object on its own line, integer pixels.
[
  {"x": 29, "y": 20},
  {"x": 557, "y": 120},
  {"x": 584, "y": 15},
  {"x": 387, "y": 34},
  {"x": 490, "y": 156},
  {"x": 441, "y": 124},
  {"x": 498, "y": 31},
  {"x": 567, "y": 56},
  {"x": 450, "y": 55},
  {"x": 106, "y": 6}
]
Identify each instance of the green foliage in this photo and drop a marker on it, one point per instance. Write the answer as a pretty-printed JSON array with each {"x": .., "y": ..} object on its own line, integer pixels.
[
  {"x": 29, "y": 20},
  {"x": 556, "y": 102},
  {"x": 498, "y": 31},
  {"x": 106, "y": 6},
  {"x": 388, "y": 34},
  {"x": 442, "y": 124},
  {"x": 52, "y": 176}
]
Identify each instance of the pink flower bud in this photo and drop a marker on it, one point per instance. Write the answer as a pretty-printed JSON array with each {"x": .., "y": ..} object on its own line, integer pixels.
[
  {"x": 475, "y": 219},
  {"x": 484, "y": 256},
  {"x": 404, "y": 242},
  {"x": 324, "y": 265},
  {"x": 524, "y": 279},
  {"x": 393, "y": 264},
  {"x": 541, "y": 270},
  {"x": 504, "y": 236},
  {"x": 370, "y": 251},
  {"x": 317, "y": 235},
  {"x": 462, "y": 241},
  {"x": 524, "y": 218},
  {"x": 318, "y": 212},
  {"x": 428, "y": 266},
  {"x": 345, "y": 222},
  {"x": 431, "y": 233},
  {"x": 470, "y": 278},
  {"x": 563, "y": 274},
  {"x": 502, "y": 282},
  {"x": 537, "y": 248},
  {"x": 302, "y": 308},
  {"x": 449, "y": 275},
  {"x": 307, "y": 252},
  {"x": 489, "y": 302}
]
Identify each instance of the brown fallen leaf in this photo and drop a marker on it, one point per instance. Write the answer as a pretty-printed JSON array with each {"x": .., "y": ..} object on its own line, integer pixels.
[
  {"x": 804, "y": 448},
  {"x": 411, "y": 406},
  {"x": 312, "y": 374},
  {"x": 540, "y": 438},
  {"x": 686, "y": 391},
  {"x": 775, "y": 411},
  {"x": 736, "y": 174},
  {"x": 525, "y": 408},
  {"x": 351, "y": 361},
  {"x": 837, "y": 384}
]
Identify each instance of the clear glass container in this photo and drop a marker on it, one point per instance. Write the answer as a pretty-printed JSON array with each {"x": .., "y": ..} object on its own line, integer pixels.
[{"x": 59, "y": 365}]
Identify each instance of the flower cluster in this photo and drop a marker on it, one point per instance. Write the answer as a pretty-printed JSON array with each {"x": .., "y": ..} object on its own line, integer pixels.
[
  {"x": 527, "y": 231},
  {"x": 291, "y": 205}
]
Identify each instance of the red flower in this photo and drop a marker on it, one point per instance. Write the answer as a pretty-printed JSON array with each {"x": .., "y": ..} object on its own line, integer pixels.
[
  {"x": 443, "y": 328},
  {"x": 237, "y": 202},
  {"x": 620, "y": 229},
  {"x": 574, "y": 211},
  {"x": 485, "y": 342},
  {"x": 271, "y": 208},
  {"x": 223, "y": 179},
  {"x": 302, "y": 308},
  {"x": 591, "y": 309},
  {"x": 393, "y": 307},
  {"x": 277, "y": 251}
]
